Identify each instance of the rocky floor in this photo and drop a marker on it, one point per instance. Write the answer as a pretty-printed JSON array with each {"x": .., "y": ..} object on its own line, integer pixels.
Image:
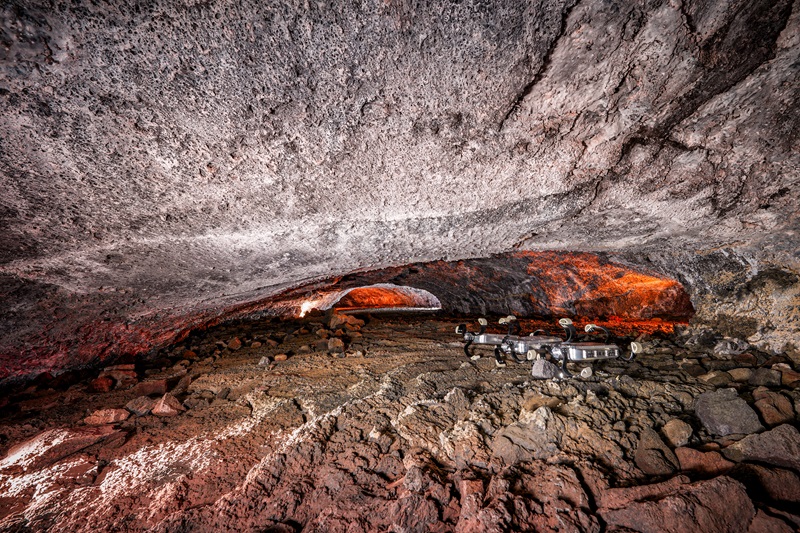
[{"x": 386, "y": 426}]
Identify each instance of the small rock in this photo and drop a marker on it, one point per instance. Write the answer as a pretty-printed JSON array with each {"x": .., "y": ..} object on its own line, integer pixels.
[
  {"x": 304, "y": 349},
  {"x": 148, "y": 388},
  {"x": 653, "y": 457},
  {"x": 677, "y": 432},
  {"x": 182, "y": 386},
  {"x": 123, "y": 379},
  {"x": 272, "y": 343},
  {"x": 281, "y": 357},
  {"x": 106, "y": 416},
  {"x": 167, "y": 405},
  {"x": 779, "y": 447},
  {"x": 140, "y": 406},
  {"x": 544, "y": 369},
  {"x": 101, "y": 384},
  {"x": 335, "y": 345},
  {"x": 775, "y": 408},
  {"x": 716, "y": 378},
  {"x": 730, "y": 347},
  {"x": 321, "y": 345},
  {"x": 265, "y": 361},
  {"x": 703, "y": 463},
  {"x": 234, "y": 344},
  {"x": 765, "y": 377},
  {"x": 256, "y": 344},
  {"x": 740, "y": 375},
  {"x": 190, "y": 354},
  {"x": 723, "y": 412},
  {"x": 746, "y": 359},
  {"x": 789, "y": 377},
  {"x": 693, "y": 370}
]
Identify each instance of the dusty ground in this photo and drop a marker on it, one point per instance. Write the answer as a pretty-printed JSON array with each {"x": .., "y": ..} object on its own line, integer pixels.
[{"x": 403, "y": 433}]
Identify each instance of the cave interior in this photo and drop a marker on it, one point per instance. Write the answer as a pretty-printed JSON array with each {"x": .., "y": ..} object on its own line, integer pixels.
[{"x": 243, "y": 245}]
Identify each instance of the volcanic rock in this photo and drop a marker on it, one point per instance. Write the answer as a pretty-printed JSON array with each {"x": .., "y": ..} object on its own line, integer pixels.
[
  {"x": 140, "y": 406},
  {"x": 765, "y": 377},
  {"x": 52, "y": 445},
  {"x": 765, "y": 484},
  {"x": 722, "y": 413},
  {"x": 779, "y": 446},
  {"x": 167, "y": 405},
  {"x": 335, "y": 345},
  {"x": 719, "y": 504},
  {"x": 152, "y": 387},
  {"x": 106, "y": 416},
  {"x": 774, "y": 407},
  {"x": 653, "y": 457},
  {"x": 101, "y": 384},
  {"x": 234, "y": 344},
  {"x": 677, "y": 432},
  {"x": 765, "y": 523},
  {"x": 703, "y": 463},
  {"x": 740, "y": 375},
  {"x": 544, "y": 369}
]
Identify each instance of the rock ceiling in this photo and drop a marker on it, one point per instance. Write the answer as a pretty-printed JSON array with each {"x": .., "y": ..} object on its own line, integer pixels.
[{"x": 161, "y": 165}]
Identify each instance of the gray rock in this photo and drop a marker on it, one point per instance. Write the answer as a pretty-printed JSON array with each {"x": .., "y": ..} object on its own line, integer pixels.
[
  {"x": 765, "y": 377},
  {"x": 779, "y": 447},
  {"x": 140, "y": 406},
  {"x": 723, "y": 412},
  {"x": 544, "y": 369}
]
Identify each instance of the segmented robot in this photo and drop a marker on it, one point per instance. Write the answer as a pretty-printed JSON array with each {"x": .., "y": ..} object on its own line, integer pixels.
[{"x": 537, "y": 345}]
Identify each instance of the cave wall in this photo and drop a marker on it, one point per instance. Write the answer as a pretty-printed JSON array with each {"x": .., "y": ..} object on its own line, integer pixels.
[{"x": 163, "y": 163}]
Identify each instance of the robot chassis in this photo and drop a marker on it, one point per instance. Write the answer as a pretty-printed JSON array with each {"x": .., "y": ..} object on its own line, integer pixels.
[{"x": 538, "y": 345}]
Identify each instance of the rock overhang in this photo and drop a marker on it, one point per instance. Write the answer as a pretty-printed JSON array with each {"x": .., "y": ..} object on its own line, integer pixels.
[{"x": 178, "y": 163}]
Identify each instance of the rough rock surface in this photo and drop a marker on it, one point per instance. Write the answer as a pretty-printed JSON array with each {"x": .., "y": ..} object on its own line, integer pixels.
[
  {"x": 779, "y": 446},
  {"x": 410, "y": 436},
  {"x": 164, "y": 164},
  {"x": 723, "y": 412}
]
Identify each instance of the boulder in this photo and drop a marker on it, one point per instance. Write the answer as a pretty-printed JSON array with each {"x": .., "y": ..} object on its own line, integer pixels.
[
  {"x": 740, "y": 375},
  {"x": 723, "y": 412},
  {"x": 779, "y": 447},
  {"x": 719, "y": 504}
]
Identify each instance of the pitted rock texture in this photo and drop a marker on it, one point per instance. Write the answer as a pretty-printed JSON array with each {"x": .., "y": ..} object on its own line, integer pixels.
[
  {"x": 406, "y": 435},
  {"x": 170, "y": 161}
]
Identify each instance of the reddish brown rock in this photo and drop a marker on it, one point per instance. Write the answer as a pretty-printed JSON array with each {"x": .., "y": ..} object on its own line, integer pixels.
[
  {"x": 123, "y": 378},
  {"x": 167, "y": 405},
  {"x": 140, "y": 406},
  {"x": 256, "y": 344},
  {"x": 106, "y": 416},
  {"x": 703, "y": 463},
  {"x": 280, "y": 357},
  {"x": 774, "y": 407},
  {"x": 151, "y": 388},
  {"x": 52, "y": 445},
  {"x": 190, "y": 354},
  {"x": 234, "y": 344},
  {"x": 719, "y": 504},
  {"x": 653, "y": 456},
  {"x": 769, "y": 484},
  {"x": 335, "y": 345},
  {"x": 764, "y": 523},
  {"x": 101, "y": 384}
]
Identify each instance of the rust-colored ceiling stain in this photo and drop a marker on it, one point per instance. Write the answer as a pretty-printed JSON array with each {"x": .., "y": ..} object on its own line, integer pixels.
[
  {"x": 583, "y": 284},
  {"x": 374, "y": 297}
]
